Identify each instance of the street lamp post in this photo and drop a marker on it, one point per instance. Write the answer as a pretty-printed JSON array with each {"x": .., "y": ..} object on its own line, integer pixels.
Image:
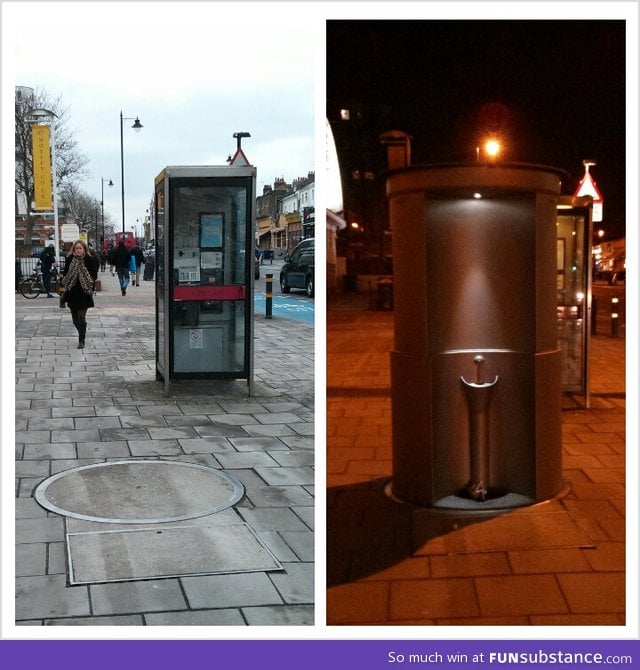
[
  {"x": 136, "y": 126},
  {"x": 102, "y": 181}
]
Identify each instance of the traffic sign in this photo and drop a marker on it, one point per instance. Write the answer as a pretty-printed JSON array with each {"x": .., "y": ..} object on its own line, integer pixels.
[
  {"x": 69, "y": 232},
  {"x": 588, "y": 186}
]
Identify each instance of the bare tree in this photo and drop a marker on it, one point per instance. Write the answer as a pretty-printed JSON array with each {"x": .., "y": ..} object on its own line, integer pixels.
[
  {"x": 82, "y": 209},
  {"x": 85, "y": 210},
  {"x": 109, "y": 226},
  {"x": 70, "y": 163}
]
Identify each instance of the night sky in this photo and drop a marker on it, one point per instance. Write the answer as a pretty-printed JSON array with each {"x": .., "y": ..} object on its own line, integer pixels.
[{"x": 554, "y": 90}]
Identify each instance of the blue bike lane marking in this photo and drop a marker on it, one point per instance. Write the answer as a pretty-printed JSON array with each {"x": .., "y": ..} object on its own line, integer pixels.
[{"x": 284, "y": 306}]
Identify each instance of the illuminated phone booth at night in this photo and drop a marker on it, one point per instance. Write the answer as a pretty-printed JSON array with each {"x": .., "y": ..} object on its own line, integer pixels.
[
  {"x": 574, "y": 294},
  {"x": 204, "y": 222},
  {"x": 476, "y": 368}
]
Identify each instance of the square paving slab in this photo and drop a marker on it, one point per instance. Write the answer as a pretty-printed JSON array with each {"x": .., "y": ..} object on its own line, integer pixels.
[{"x": 151, "y": 553}]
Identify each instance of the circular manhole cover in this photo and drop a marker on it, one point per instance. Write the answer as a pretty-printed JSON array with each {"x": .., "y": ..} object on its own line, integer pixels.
[{"x": 139, "y": 492}]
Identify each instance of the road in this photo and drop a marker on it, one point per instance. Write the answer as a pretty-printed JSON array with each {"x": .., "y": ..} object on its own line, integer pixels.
[{"x": 294, "y": 305}]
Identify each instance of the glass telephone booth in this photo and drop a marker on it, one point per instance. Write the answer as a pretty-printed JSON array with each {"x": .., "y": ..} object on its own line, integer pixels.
[
  {"x": 204, "y": 218},
  {"x": 573, "y": 290}
]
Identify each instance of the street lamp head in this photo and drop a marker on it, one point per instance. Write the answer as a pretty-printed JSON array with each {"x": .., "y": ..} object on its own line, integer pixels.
[
  {"x": 492, "y": 148},
  {"x": 137, "y": 126},
  {"x": 42, "y": 113},
  {"x": 39, "y": 116},
  {"x": 238, "y": 136}
]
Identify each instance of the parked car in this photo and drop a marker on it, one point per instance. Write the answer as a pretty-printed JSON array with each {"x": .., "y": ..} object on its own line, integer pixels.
[{"x": 298, "y": 268}]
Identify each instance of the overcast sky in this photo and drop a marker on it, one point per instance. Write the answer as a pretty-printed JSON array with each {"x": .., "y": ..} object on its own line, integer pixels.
[{"x": 194, "y": 73}]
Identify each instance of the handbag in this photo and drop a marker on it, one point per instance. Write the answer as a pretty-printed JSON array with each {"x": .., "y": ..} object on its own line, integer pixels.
[{"x": 63, "y": 300}]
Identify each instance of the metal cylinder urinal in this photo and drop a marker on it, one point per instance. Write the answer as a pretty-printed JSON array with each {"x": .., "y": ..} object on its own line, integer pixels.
[
  {"x": 474, "y": 256},
  {"x": 478, "y": 395}
]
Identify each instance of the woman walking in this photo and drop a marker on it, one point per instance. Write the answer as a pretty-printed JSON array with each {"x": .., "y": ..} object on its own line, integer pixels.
[{"x": 80, "y": 273}]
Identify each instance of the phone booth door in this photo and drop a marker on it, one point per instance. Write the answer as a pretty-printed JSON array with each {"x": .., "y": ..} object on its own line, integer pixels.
[
  {"x": 573, "y": 289},
  {"x": 204, "y": 248}
]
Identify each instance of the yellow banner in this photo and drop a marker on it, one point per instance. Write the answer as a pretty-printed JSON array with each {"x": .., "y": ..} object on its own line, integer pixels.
[{"x": 41, "y": 154}]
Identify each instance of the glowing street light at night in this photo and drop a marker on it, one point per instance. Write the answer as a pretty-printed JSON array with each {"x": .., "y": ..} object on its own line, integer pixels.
[{"x": 492, "y": 148}]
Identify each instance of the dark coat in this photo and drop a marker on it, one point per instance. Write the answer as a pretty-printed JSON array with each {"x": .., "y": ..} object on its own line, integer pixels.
[
  {"x": 137, "y": 252},
  {"x": 122, "y": 257},
  {"x": 47, "y": 257},
  {"x": 76, "y": 297}
]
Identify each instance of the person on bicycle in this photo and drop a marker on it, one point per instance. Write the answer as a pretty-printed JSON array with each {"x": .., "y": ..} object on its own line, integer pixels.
[
  {"x": 80, "y": 274},
  {"x": 47, "y": 259}
]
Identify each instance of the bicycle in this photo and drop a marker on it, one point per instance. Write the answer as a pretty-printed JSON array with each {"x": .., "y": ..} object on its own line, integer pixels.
[{"x": 33, "y": 286}]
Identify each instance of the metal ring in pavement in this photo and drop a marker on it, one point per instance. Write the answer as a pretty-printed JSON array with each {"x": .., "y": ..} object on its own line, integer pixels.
[{"x": 139, "y": 491}]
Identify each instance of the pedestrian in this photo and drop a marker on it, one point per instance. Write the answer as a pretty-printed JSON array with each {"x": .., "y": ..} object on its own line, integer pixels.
[
  {"x": 47, "y": 259},
  {"x": 111, "y": 258},
  {"x": 122, "y": 261},
  {"x": 94, "y": 252},
  {"x": 132, "y": 267},
  {"x": 103, "y": 261},
  {"x": 19, "y": 275},
  {"x": 80, "y": 274},
  {"x": 139, "y": 256}
]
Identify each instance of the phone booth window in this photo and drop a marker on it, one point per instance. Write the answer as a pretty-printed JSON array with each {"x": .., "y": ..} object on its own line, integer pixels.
[
  {"x": 209, "y": 250},
  {"x": 160, "y": 242}
]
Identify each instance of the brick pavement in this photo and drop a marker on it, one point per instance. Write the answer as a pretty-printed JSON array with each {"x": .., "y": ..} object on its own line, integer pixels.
[
  {"x": 560, "y": 563},
  {"x": 77, "y": 407}
]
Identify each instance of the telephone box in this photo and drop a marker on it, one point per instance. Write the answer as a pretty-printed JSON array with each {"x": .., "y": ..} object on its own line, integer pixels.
[
  {"x": 204, "y": 218},
  {"x": 573, "y": 290}
]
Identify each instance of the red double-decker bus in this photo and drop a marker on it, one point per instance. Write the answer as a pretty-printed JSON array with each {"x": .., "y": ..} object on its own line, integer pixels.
[{"x": 128, "y": 238}]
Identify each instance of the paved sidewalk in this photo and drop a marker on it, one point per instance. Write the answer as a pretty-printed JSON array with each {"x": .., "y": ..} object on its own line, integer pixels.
[
  {"x": 78, "y": 407},
  {"x": 389, "y": 565}
]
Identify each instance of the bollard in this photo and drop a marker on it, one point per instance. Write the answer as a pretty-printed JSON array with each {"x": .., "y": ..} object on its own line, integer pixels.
[
  {"x": 614, "y": 315},
  {"x": 269, "y": 292},
  {"x": 385, "y": 294}
]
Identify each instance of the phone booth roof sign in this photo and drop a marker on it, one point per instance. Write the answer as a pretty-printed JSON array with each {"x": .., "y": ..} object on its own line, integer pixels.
[
  {"x": 588, "y": 186},
  {"x": 239, "y": 159}
]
